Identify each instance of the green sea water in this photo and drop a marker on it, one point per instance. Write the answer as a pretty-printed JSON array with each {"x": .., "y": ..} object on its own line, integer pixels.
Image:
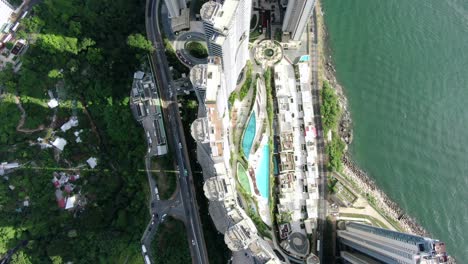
[{"x": 404, "y": 68}]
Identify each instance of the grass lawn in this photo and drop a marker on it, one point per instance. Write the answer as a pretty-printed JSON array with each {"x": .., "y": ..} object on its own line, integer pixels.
[
  {"x": 243, "y": 178},
  {"x": 375, "y": 222},
  {"x": 170, "y": 244}
]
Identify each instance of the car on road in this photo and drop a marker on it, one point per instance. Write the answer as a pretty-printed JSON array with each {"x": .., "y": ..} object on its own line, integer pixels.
[
  {"x": 193, "y": 242},
  {"x": 180, "y": 145},
  {"x": 147, "y": 260},
  {"x": 143, "y": 249}
]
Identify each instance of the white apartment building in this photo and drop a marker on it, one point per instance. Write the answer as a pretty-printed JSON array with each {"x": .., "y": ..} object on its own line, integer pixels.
[
  {"x": 174, "y": 7},
  {"x": 298, "y": 171},
  {"x": 297, "y": 15},
  {"x": 5, "y": 12},
  {"x": 240, "y": 233},
  {"x": 227, "y": 28},
  {"x": 209, "y": 80}
]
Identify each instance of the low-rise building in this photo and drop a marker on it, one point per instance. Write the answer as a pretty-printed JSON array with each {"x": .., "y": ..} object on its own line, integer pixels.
[
  {"x": 146, "y": 108},
  {"x": 297, "y": 153},
  {"x": 5, "y": 167}
]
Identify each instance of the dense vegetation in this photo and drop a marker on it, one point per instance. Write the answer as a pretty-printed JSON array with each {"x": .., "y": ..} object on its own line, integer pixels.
[
  {"x": 166, "y": 180},
  {"x": 331, "y": 114},
  {"x": 80, "y": 47},
  {"x": 248, "y": 81},
  {"x": 330, "y": 108},
  {"x": 196, "y": 49},
  {"x": 335, "y": 150},
  {"x": 268, "y": 76},
  {"x": 177, "y": 67},
  {"x": 170, "y": 246}
]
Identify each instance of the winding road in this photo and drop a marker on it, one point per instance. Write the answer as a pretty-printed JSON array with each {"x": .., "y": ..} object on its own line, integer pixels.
[{"x": 184, "y": 206}]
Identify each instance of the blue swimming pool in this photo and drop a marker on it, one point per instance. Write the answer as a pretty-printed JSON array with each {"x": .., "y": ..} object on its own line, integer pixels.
[
  {"x": 249, "y": 135},
  {"x": 304, "y": 58},
  {"x": 263, "y": 173}
]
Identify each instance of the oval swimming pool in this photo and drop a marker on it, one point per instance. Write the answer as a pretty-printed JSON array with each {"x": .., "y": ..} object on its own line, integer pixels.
[
  {"x": 263, "y": 173},
  {"x": 249, "y": 135}
]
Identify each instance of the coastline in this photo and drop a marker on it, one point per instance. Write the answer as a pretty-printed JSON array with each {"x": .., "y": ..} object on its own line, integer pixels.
[{"x": 364, "y": 184}]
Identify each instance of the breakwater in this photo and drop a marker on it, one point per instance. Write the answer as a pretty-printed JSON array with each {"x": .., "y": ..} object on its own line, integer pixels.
[{"x": 388, "y": 207}]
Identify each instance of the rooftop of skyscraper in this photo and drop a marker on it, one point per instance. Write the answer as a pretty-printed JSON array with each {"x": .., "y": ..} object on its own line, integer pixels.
[{"x": 219, "y": 15}]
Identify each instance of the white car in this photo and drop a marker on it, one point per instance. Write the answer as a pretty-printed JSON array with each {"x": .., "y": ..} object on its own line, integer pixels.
[{"x": 193, "y": 242}]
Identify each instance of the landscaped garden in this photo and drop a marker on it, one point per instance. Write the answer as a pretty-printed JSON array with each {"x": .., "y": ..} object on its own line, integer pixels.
[
  {"x": 243, "y": 178},
  {"x": 196, "y": 49}
]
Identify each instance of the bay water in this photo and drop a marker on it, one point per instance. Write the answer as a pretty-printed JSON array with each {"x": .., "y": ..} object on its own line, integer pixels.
[{"x": 404, "y": 68}]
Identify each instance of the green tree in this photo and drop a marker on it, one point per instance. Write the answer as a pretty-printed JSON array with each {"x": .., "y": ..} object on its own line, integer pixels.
[
  {"x": 32, "y": 24},
  {"x": 196, "y": 49},
  {"x": 21, "y": 258},
  {"x": 335, "y": 150},
  {"x": 58, "y": 44},
  {"x": 138, "y": 41},
  {"x": 86, "y": 43},
  {"x": 330, "y": 109},
  {"x": 9, "y": 45},
  {"x": 55, "y": 74}
]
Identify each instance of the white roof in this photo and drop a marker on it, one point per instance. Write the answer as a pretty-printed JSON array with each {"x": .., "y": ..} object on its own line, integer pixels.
[
  {"x": 59, "y": 143},
  {"x": 213, "y": 82},
  {"x": 53, "y": 103},
  {"x": 304, "y": 72},
  {"x": 70, "y": 202},
  {"x": 5, "y": 12},
  {"x": 138, "y": 75},
  {"x": 92, "y": 162},
  {"x": 223, "y": 18},
  {"x": 73, "y": 122},
  {"x": 26, "y": 203}
]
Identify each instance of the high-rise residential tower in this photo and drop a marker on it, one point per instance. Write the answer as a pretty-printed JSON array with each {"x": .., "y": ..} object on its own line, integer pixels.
[
  {"x": 297, "y": 15},
  {"x": 5, "y": 12},
  {"x": 174, "y": 7},
  {"x": 227, "y": 28},
  {"x": 367, "y": 244}
]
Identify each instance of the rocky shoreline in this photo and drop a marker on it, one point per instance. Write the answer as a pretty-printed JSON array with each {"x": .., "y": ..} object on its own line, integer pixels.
[{"x": 366, "y": 185}]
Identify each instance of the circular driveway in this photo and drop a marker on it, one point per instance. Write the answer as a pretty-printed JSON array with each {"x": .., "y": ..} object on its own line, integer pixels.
[
  {"x": 299, "y": 243},
  {"x": 183, "y": 55}
]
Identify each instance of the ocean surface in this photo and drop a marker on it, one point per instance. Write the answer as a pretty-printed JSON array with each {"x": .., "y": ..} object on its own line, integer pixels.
[{"x": 404, "y": 68}]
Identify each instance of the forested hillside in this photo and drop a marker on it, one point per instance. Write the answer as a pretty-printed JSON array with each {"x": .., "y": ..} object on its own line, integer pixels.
[{"x": 79, "y": 47}]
